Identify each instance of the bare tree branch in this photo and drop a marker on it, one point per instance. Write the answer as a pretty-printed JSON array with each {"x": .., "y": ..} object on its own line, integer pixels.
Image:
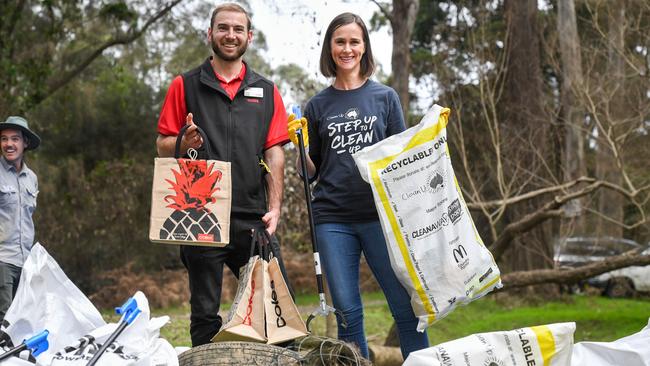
[
  {"x": 127, "y": 38},
  {"x": 551, "y": 210},
  {"x": 384, "y": 10},
  {"x": 529, "y": 195}
]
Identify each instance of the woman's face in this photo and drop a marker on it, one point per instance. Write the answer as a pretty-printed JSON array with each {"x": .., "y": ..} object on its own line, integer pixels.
[{"x": 347, "y": 48}]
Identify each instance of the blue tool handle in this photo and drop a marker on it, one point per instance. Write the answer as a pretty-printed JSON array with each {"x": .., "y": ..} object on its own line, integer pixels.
[
  {"x": 296, "y": 111},
  {"x": 129, "y": 310},
  {"x": 38, "y": 343}
]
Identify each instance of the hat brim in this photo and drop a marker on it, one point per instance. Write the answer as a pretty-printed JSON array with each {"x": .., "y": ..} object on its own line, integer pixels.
[{"x": 34, "y": 140}]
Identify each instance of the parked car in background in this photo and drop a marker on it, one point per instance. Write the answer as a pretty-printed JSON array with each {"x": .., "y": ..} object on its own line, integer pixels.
[{"x": 574, "y": 252}]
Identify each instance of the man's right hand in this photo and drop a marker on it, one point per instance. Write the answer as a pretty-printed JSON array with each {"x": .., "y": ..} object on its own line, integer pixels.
[
  {"x": 294, "y": 124},
  {"x": 192, "y": 138}
]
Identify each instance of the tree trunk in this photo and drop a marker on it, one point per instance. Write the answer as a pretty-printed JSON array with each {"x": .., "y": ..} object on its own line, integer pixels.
[
  {"x": 402, "y": 20},
  {"x": 525, "y": 126},
  {"x": 610, "y": 203},
  {"x": 571, "y": 112}
]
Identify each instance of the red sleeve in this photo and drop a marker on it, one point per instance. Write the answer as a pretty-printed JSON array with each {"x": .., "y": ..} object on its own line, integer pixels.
[
  {"x": 174, "y": 110},
  {"x": 278, "y": 130}
]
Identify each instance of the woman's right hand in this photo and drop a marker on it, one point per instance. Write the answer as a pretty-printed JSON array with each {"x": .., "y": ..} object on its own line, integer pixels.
[{"x": 294, "y": 124}]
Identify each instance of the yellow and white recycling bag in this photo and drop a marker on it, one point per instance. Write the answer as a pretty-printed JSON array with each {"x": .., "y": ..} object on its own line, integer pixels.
[
  {"x": 544, "y": 345},
  {"x": 433, "y": 245}
]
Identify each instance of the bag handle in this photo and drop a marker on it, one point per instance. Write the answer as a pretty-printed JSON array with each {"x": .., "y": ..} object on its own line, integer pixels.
[
  {"x": 256, "y": 242},
  {"x": 262, "y": 240},
  {"x": 265, "y": 237},
  {"x": 179, "y": 138}
]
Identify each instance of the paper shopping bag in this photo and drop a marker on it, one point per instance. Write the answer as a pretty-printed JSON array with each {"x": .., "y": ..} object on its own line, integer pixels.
[
  {"x": 245, "y": 320},
  {"x": 283, "y": 321},
  {"x": 190, "y": 199}
]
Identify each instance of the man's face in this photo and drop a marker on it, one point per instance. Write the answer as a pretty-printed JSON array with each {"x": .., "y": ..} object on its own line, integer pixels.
[
  {"x": 13, "y": 145},
  {"x": 230, "y": 35}
]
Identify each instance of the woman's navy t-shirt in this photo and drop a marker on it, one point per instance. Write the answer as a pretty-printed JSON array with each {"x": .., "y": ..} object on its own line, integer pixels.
[{"x": 342, "y": 122}]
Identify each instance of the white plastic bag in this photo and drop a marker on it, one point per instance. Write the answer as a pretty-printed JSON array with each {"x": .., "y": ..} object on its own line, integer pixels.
[
  {"x": 47, "y": 299},
  {"x": 16, "y": 361},
  {"x": 633, "y": 350},
  {"x": 545, "y": 345},
  {"x": 138, "y": 345},
  {"x": 433, "y": 245}
]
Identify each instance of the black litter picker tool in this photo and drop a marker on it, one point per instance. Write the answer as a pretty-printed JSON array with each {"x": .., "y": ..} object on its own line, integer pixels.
[
  {"x": 36, "y": 344},
  {"x": 129, "y": 312},
  {"x": 323, "y": 309}
]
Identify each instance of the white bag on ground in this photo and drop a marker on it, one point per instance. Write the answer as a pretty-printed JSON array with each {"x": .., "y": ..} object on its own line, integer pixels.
[
  {"x": 138, "y": 345},
  {"x": 545, "y": 345},
  {"x": 47, "y": 299},
  {"x": 633, "y": 350},
  {"x": 433, "y": 245},
  {"x": 16, "y": 361}
]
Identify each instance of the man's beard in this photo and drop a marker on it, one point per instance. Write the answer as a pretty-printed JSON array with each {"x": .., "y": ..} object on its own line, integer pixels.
[{"x": 226, "y": 57}]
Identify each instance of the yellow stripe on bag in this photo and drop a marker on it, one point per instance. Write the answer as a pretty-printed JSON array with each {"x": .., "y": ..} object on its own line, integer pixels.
[
  {"x": 419, "y": 138},
  {"x": 489, "y": 285},
  {"x": 546, "y": 342}
]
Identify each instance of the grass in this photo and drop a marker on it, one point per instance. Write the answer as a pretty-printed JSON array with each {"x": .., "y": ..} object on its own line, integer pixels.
[{"x": 597, "y": 318}]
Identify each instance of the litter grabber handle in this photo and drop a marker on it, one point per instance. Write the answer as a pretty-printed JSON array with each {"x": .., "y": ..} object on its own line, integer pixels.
[
  {"x": 36, "y": 344},
  {"x": 324, "y": 309},
  {"x": 179, "y": 138},
  {"x": 129, "y": 312}
]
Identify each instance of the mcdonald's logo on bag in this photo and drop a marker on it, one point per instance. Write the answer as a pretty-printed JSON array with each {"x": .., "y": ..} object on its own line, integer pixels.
[{"x": 459, "y": 253}]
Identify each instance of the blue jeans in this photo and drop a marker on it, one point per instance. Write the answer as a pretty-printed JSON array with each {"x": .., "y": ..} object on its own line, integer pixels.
[
  {"x": 340, "y": 247},
  {"x": 9, "y": 277}
]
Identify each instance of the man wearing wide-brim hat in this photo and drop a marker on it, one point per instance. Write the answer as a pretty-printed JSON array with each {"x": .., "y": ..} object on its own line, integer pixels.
[{"x": 18, "y": 191}]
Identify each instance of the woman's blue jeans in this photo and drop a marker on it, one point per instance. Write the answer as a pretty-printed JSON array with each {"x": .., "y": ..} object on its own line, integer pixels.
[{"x": 340, "y": 247}]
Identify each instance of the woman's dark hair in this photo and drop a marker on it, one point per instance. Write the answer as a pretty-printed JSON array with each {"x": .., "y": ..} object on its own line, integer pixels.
[{"x": 327, "y": 65}]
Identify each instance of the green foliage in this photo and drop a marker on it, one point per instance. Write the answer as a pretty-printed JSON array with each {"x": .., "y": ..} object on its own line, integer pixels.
[
  {"x": 119, "y": 11},
  {"x": 97, "y": 220},
  {"x": 107, "y": 114},
  {"x": 45, "y": 44},
  {"x": 95, "y": 172}
]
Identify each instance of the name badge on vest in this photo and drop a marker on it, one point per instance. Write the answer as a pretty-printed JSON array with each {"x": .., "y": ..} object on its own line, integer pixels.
[{"x": 254, "y": 92}]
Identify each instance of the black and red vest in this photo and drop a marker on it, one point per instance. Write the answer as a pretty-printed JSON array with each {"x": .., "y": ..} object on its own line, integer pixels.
[{"x": 236, "y": 129}]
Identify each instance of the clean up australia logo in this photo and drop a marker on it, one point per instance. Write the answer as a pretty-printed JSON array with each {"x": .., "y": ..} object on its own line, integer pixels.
[
  {"x": 352, "y": 113},
  {"x": 434, "y": 183}
]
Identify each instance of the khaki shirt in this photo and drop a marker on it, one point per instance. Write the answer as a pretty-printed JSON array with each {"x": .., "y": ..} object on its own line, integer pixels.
[{"x": 18, "y": 191}]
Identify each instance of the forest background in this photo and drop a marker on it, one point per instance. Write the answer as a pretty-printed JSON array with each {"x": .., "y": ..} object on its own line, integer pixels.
[{"x": 549, "y": 132}]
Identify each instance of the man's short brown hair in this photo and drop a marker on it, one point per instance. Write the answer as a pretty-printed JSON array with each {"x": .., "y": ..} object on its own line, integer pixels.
[{"x": 230, "y": 7}]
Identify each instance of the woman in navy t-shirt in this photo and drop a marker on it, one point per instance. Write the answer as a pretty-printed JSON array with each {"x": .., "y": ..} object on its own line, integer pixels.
[{"x": 352, "y": 113}]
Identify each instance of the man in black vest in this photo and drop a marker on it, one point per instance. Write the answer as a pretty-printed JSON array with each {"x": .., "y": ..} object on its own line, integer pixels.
[{"x": 244, "y": 119}]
